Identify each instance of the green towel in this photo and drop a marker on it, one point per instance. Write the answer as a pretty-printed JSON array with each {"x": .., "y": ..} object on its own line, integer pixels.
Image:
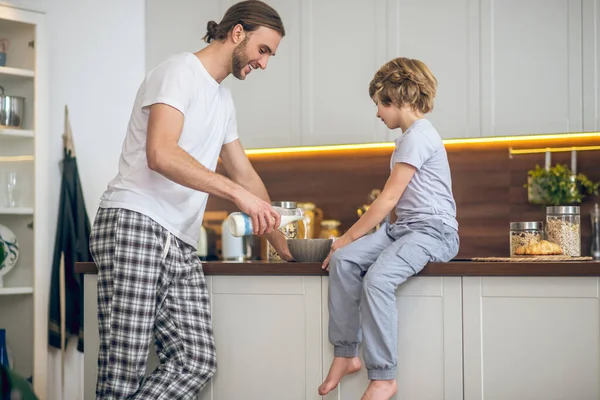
[{"x": 14, "y": 386}]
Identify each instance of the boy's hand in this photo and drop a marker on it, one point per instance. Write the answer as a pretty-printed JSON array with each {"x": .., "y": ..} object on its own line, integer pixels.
[{"x": 337, "y": 244}]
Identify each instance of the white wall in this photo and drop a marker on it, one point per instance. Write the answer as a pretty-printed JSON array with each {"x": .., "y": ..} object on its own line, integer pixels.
[{"x": 96, "y": 53}]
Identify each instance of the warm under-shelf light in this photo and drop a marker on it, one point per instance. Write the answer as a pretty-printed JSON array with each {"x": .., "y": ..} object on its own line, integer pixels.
[
  {"x": 552, "y": 149},
  {"x": 465, "y": 141}
]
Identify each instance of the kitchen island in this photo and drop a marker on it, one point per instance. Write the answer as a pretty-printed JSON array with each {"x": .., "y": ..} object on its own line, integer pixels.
[{"x": 467, "y": 330}]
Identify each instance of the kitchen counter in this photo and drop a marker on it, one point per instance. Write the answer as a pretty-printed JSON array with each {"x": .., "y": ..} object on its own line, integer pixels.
[
  {"x": 452, "y": 268},
  {"x": 467, "y": 330}
]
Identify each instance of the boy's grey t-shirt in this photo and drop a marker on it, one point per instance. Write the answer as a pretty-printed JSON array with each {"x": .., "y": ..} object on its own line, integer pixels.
[{"x": 429, "y": 192}]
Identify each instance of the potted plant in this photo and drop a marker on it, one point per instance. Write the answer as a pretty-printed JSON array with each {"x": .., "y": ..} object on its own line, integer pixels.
[
  {"x": 558, "y": 186},
  {"x": 2, "y": 252}
]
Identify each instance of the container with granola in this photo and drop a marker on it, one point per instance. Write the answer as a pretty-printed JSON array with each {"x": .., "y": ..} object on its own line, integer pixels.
[
  {"x": 563, "y": 227},
  {"x": 525, "y": 233}
]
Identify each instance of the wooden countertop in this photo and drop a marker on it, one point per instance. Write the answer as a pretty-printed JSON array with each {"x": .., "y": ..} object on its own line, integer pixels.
[{"x": 452, "y": 268}]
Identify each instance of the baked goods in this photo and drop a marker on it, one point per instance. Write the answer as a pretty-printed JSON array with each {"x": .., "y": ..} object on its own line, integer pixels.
[{"x": 541, "y": 248}]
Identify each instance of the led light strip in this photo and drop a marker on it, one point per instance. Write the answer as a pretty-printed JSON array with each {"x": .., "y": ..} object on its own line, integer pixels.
[
  {"x": 478, "y": 140},
  {"x": 553, "y": 149}
]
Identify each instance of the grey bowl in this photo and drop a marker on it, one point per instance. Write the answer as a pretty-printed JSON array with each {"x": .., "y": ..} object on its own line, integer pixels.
[{"x": 309, "y": 250}]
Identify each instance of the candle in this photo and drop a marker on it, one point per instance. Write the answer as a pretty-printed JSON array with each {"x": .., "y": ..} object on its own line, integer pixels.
[
  {"x": 574, "y": 162},
  {"x": 547, "y": 160}
]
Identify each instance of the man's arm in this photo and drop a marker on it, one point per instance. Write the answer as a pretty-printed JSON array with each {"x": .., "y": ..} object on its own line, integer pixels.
[
  {"x": 164, "y": 156},
  {"x": 240, "y": 170}
]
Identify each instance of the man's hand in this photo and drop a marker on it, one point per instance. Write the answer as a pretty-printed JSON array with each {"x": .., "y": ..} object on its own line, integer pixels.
[
  {"x": 263, "y": 215},
  {"x": 279, "y": 243}
]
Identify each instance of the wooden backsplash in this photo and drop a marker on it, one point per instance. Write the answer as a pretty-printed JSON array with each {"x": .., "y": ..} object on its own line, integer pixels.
[{"x": 487, "y": 185}]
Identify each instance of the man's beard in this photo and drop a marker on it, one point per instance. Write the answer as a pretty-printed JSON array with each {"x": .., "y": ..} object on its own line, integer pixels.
[{"x": 239, "y": 60}]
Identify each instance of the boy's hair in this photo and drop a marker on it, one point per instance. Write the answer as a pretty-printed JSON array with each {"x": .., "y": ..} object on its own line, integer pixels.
[
  {"x": 404, "y": 81},
  {"x": 251, "y": 14}
]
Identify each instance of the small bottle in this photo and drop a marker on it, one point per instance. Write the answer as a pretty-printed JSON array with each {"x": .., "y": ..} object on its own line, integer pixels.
[
  {"x": 240, "y": 224},
  {"x": 595, "y": 216}
]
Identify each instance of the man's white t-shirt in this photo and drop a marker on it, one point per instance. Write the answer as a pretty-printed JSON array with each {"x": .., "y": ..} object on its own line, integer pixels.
[{"x": 182, "y": 82}]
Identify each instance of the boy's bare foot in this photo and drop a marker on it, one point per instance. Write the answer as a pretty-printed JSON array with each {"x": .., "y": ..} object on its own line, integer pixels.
[
  {"x": 380, "y": 390},
  {"x": 340, "y": 367}
]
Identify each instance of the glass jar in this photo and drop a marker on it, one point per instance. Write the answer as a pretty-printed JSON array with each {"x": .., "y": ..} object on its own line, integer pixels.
[
  {"x": 290, "y": 230},
  {"x": 595, "y": 248},
  {"x": 525, "y": 233},
  {"x": 563, "y": 227},
  {"x": 330, "y": 229}
]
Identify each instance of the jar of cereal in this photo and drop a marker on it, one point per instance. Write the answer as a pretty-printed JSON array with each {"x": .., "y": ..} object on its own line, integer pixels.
[
  {"x": 290, "y": 230},
  {"x": 525, "y": 233},
  {"x": 563, "y": 227}
]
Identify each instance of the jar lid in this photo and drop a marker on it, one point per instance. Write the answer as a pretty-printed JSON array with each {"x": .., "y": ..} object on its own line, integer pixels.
[
  {"x": 533, "y": 225},
  {"x": 284, "y": 204},
  {"x": 562, "y": 210}
]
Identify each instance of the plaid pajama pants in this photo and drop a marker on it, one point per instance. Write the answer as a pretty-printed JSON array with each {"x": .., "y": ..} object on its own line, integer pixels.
[{"x": 149, "y": 284}]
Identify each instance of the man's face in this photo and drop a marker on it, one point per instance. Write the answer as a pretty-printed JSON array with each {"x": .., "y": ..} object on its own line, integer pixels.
[{"x": 254, "y": 51}]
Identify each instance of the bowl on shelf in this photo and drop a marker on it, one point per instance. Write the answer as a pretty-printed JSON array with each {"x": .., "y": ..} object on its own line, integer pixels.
[{"x": 309, "y": 250}]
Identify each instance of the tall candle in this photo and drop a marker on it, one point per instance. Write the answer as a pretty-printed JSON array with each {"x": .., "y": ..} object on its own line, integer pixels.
[
  {"x": 548, "y": 160},
  {"x": 574, "y": 162}
]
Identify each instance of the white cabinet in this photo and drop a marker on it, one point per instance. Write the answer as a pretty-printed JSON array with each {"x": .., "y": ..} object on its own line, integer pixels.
[
  {"x": 429, "y": 342},
  {"x": 531, "y": 66},
  {"x": 591, "y": 65},
  {"x": 344, "y": 45},
  {"x": 268, "y": 102},
  {"x": 531, "y": 338},
  {"x": 445, "y": 36},
  {"x": 268, "y": 337},
  {"x": 504, "y": 67},
  {"x": 23, "y": 153}
]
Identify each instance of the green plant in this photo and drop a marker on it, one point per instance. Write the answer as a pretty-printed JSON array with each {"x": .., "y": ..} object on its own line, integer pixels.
[{"x": 557, "y": 186}]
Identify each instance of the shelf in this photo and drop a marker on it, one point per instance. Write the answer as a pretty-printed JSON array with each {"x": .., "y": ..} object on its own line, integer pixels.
[
  {"x": 18, "y": 133},
  {"x": 16, "y": 158},
  {"x": 15, "y": 290},
  {"x": 16, "y": 210},
  {"x": 9, "y": 72}
]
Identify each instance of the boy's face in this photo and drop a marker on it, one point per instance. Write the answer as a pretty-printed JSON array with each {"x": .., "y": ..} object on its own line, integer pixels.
[
  {"x": 390, "y": 115},
  {"x": 254, "y": 51}
]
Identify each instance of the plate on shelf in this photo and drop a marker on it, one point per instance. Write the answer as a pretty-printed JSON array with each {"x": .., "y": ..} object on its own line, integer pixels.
[{"x": 11, "y": 249}]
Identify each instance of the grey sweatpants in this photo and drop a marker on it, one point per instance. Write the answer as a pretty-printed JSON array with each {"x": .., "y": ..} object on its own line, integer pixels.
[{"x": 363, "y": 278}]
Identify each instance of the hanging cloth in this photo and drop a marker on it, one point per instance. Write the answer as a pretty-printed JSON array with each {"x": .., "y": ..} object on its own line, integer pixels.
[{"x": 71, "y": 246}]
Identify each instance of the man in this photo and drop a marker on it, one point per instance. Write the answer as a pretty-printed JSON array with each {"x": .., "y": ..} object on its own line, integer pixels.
[{"x": 150, "y": 281}]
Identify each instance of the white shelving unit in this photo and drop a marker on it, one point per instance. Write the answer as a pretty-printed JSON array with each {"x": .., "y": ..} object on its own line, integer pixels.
[
  {"x": 23, "y": 150},
  {"x": 16, "y": 290}
]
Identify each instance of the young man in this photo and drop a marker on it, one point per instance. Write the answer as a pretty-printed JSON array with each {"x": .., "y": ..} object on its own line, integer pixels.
[{"x": 150, "y": 281}]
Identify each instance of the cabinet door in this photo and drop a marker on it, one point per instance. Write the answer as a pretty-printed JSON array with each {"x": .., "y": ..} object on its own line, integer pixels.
[
  {"x": 591, "y": 65},
  {"x": 429, "y": 342},
  {"x": 531, "y": 338},
  {"x": 268, "y": 102},
  {"x": 268, "y": 337},
  {"x": 445, "y": 36},
  {"x": 343, "y": 44},
  {"x": 531, "y": 66}
]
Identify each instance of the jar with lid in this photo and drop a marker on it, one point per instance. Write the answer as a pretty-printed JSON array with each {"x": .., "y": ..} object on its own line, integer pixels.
[
  {"x": 595, "y": 248},
  {"x": 290, "y": 230},
  {"x": 525, "y": 233},
  {"x": 330, "y": 229},
  {"x": 563, "y": 227}
]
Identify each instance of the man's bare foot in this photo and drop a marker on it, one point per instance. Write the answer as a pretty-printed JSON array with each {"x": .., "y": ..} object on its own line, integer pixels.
[
  {"x": 380, "y": 390},
  {"x": 340, "y": 367}
]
